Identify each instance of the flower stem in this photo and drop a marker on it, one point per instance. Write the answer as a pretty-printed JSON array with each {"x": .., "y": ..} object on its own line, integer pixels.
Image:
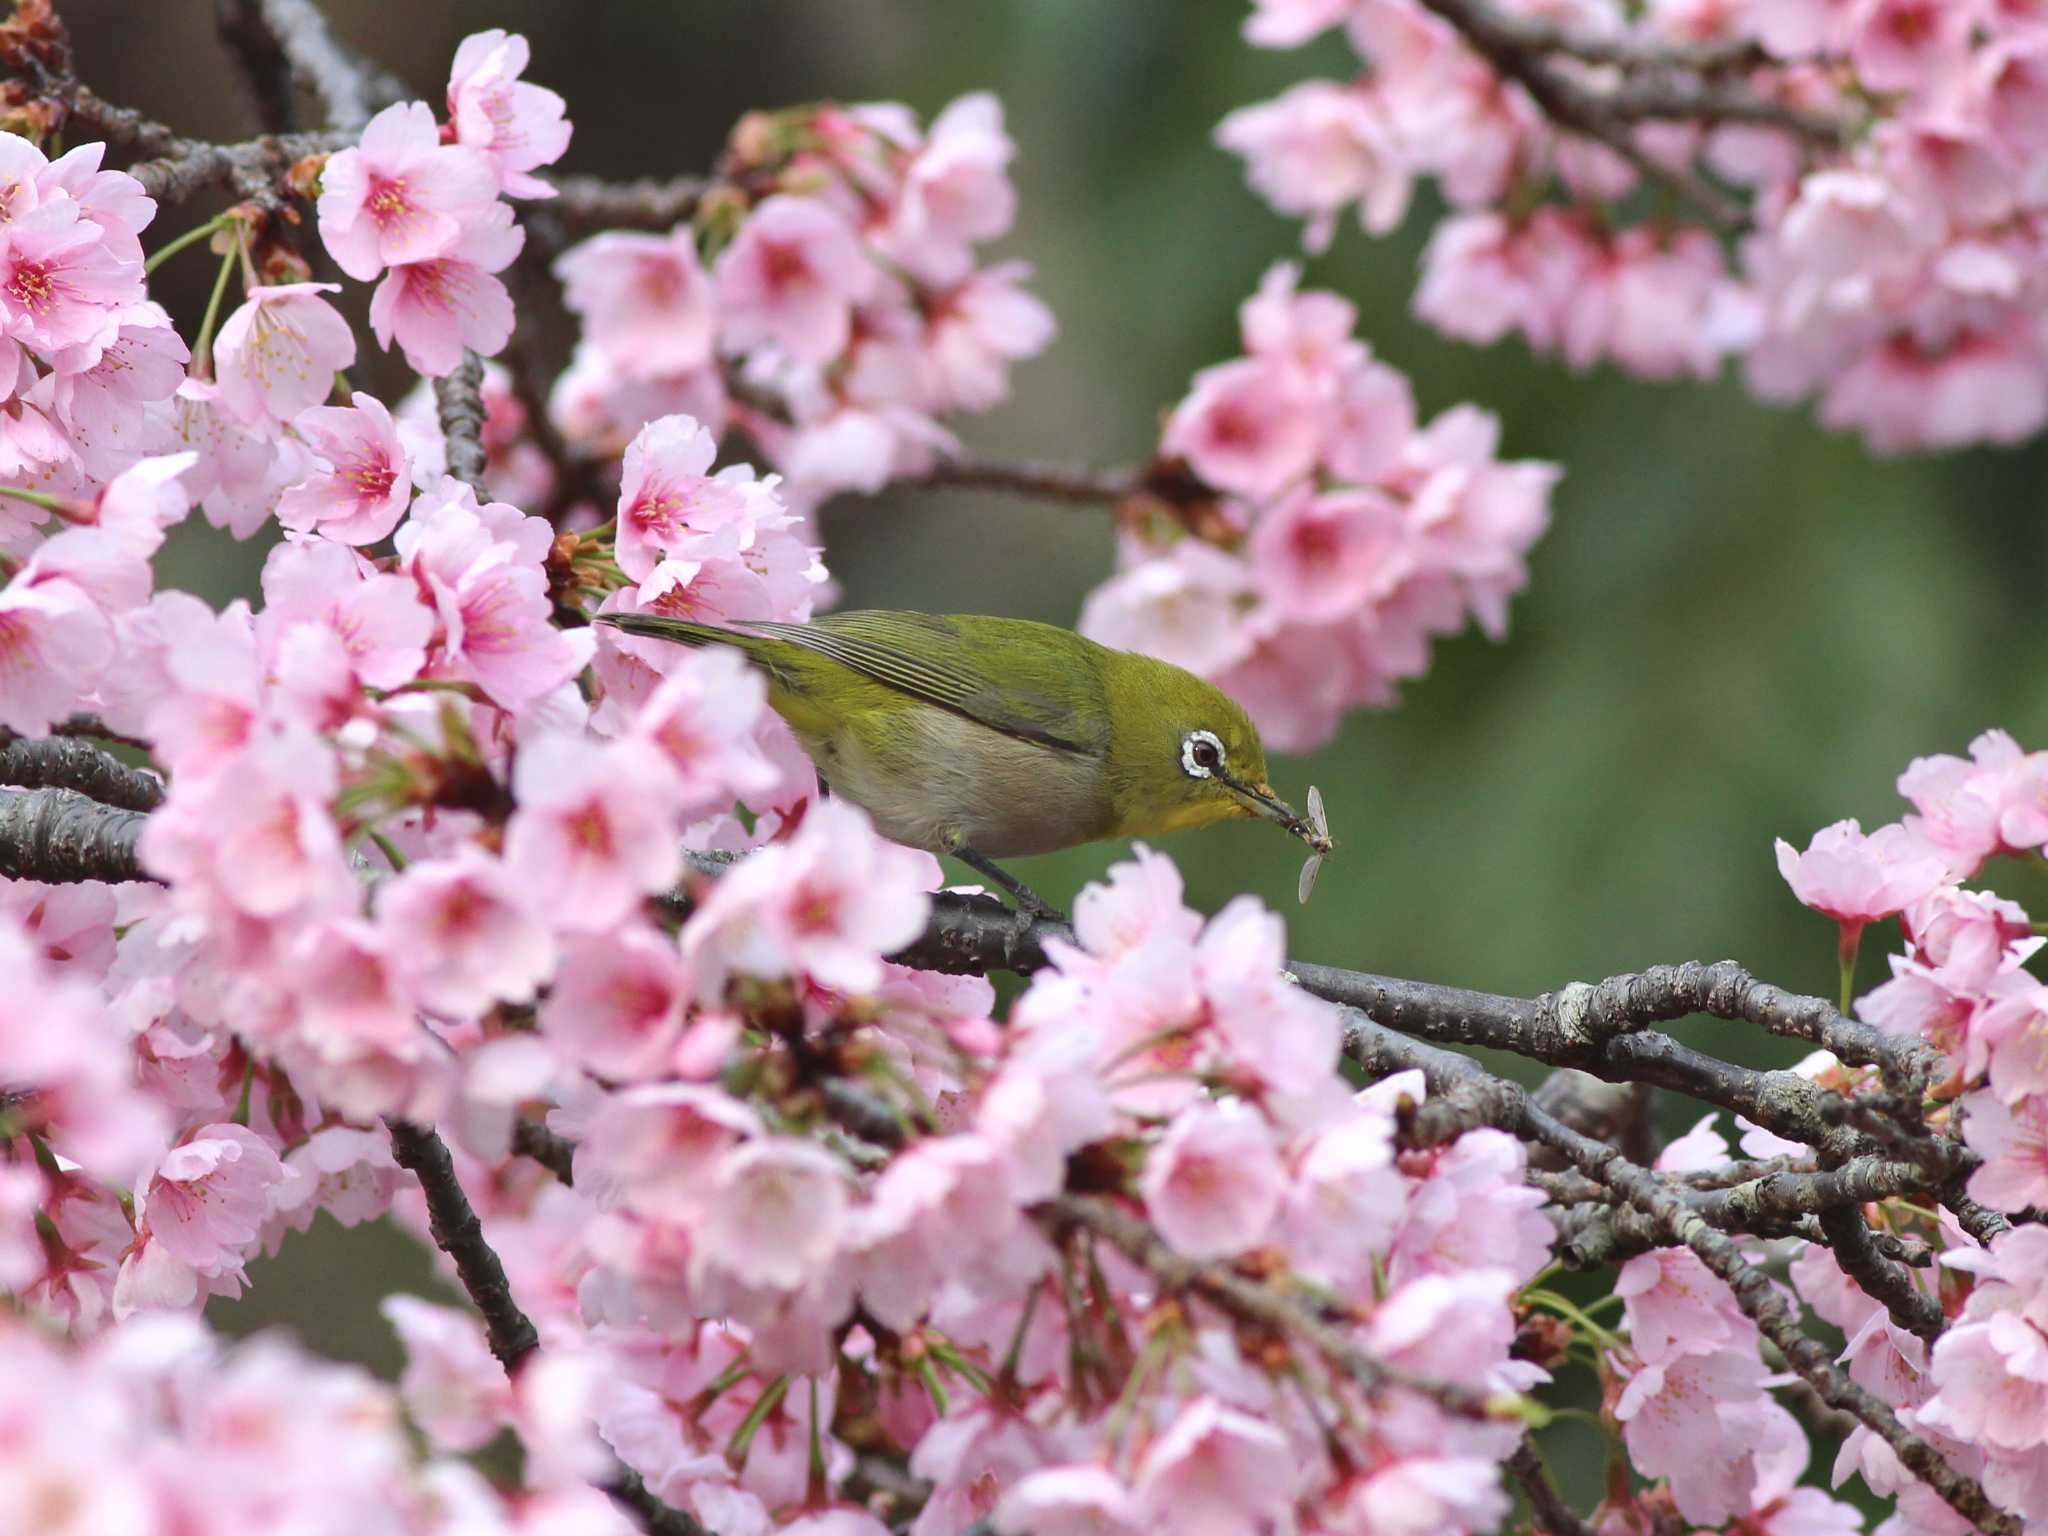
[
  {"x": 202, "y": 349},
  {"x": 1845, "y": 954},
  {"x": 165, "y": 252}
]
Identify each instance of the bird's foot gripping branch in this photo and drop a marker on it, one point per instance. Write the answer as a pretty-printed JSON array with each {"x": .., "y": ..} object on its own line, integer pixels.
[{"x": 771, "y": 1220}]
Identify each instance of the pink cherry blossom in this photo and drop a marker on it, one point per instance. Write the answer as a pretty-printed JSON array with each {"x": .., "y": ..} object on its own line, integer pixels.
[
  {"x": 206, "y": 1201},
  {"x": 55, "y": 641},
  {"x": 467, "y": 933},
  {"x": 616, "y": 1007},
  {"x": 643, "y": 299},
  {"x": 1068, "y": 1501},
  {"x": 480, "y": 566},
  {"x": 1344, "y": 1201},
  {"x": 1675, "y": 1305},
  {"x": 454, "y": 1389},
  {"x": 382, "y": 626},
  {"x": 1897, "y": 44},
  {"x": 978, "y": 329},
  {"x": 595, "y": 829},
  {"x": 670, "y": 506},
  {"x": 362, "y": 488},
  {"x": 1990, "y": 1370},
  {"x": 1704, "y": 1421},
  {"x": 519, "y": 125},
  {"x": 278, "y": 353},
  {"x": 790, "y": 279},
  {"x": 955, "y": 192},
  {"x": 60, "y": 279},
  {"x": 1960, "y": 801},
  {"x": 1248, "y": 427},
  {"x": 829, "y": 903},
  {"x": 436, "y": 307},
  {"x": 1317, "y": 148},
  {"x": 702, "y": 720},
  {"x": 1322, "y": 557},
  {"x": 2013, "y": 1141},
  {"x": 1856, "y": 879},
  {"x": 1185, "y": 606},
  {"x": 655, "y": 1147},
  {"x": 1215, "y": 1471},
  {"x": 1214, "y": 1183},
  {"x": 401, "y": 194},
  {"x": 775, "y": 1214}
]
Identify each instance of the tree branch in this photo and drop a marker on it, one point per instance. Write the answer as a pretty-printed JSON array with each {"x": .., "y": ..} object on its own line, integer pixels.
[
  {"x": 1855, "y": 1249},
  {"x": 1547, "y": 1507},
  {"x": 1464, "y": 1085},
  {"x": 583, "y": 203},
  {"x": 67, "y": 763},
  {"x": 350, "y": 89},
  {"x": 60, "y": 836},
  {"x": 1044, "y": 482},
  {"x": 459, "y": 397},
  {"x": 265, "y": 70},
  {"x": 459, "y": 1233},
  {"x": 1663, "y": 77},
  {"x": 1576, "y": 107}
]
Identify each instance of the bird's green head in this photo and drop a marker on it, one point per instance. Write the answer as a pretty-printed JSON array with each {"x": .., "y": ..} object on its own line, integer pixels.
[{"x": 1185, "y": 754}]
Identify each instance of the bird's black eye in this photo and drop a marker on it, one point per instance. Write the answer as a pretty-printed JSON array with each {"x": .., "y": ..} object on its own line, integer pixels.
[{"x": 1201, "y": 754}]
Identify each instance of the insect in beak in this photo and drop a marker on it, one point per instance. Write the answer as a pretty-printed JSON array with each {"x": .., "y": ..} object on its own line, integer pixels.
[
  {"x": 1317, "y": 835},
  {"x": 1313, "y": 829}
]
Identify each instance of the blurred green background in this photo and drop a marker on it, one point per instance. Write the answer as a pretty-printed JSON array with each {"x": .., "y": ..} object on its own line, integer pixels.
[{"x": 1739, "y": 627}]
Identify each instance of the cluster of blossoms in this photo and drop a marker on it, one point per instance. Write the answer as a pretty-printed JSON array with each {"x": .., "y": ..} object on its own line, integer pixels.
[
  {"x": 824, "y": 296},
  {"x": 91, "y": 364},
  {"x": 419, "y": 856},
  {"x": 1692, "y": 1394},
  {"x": 1893, "y": 263},
  {"x": 1961, "y": 984},
  {"x": 423, "y": 204},
  {"x": 1344, "y": 538},
  {"x": 159, "y": 1428},
  {"x": 764, "y": 1304}
]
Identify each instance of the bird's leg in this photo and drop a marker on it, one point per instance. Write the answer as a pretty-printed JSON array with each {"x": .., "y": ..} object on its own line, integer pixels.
[{"x": 1028, "y": 901}]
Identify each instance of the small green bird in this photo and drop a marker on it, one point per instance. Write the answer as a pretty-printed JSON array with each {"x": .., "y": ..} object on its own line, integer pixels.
[{"x": 985, "y": 738}]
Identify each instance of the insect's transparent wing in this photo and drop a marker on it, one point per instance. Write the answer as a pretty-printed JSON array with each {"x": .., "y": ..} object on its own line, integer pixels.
[
  {"x": 1317, "y": 817},
  {"x": 1308, "y": 877}
]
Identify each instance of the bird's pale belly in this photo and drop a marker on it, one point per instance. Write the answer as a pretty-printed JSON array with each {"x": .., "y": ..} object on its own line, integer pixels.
[{"x": 945, "y": 781}]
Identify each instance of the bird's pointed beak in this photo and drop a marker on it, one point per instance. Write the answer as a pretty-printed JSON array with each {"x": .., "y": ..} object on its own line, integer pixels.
[{"x": 1270, "y": 807}]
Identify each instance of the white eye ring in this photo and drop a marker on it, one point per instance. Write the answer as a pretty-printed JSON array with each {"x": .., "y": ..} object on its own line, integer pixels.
[{"x": 1190, "y": 763}]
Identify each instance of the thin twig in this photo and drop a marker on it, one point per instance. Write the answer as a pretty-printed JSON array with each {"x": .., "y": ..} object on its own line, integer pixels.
[
  {"x": 1577, "y": 108},
  {"x": 553, "y": 1151},
  {"x": 1251, "y": 1301}
]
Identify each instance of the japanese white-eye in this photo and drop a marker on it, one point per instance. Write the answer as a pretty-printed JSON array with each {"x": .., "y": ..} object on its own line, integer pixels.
[{"x": 986, "y": 737}]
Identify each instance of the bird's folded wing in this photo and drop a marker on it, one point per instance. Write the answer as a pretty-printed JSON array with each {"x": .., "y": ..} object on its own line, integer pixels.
[{"x": 929, "y": 657}]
